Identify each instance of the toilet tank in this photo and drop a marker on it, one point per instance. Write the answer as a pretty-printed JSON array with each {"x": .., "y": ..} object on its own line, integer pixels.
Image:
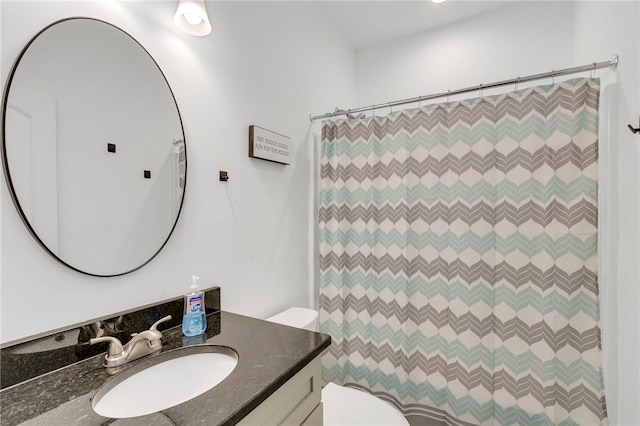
[{"x": 297, "y": 317}]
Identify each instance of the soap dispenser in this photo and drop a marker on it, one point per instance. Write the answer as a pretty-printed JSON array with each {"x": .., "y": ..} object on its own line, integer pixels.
[{"x": 194, "y": 322}]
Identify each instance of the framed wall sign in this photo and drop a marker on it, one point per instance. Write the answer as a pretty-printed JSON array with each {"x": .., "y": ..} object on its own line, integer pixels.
[{"x": 267, "y": 145}]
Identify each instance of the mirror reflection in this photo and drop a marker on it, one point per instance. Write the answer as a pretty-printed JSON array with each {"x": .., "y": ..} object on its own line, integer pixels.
[{"x": 93, "y": 147}]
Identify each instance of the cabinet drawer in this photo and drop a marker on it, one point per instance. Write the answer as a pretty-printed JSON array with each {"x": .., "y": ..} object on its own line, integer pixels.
[
  {"x": 315, "y": 418},
  {"x": 293, "y": 403}
]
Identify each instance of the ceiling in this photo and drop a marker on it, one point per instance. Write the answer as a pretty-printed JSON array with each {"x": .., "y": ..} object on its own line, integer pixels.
[{"x": 367, "y": 23}]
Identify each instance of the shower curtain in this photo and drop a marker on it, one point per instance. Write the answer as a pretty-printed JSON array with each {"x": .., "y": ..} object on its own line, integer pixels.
[{"x": 458, "y": 258}]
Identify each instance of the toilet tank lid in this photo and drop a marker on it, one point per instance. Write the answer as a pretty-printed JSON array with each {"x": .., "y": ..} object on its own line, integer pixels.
[{"x": 296, "y": 317}]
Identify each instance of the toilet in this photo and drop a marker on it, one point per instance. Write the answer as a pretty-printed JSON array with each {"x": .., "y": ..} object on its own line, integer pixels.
[{"x": 343, "y": 406}]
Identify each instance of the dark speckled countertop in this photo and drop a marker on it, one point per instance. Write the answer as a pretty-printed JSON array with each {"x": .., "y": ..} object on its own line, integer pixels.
[{"x": 268, "y": 355}]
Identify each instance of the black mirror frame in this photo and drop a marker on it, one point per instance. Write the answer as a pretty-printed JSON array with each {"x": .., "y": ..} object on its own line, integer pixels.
[{"x": 5, "y": 162}]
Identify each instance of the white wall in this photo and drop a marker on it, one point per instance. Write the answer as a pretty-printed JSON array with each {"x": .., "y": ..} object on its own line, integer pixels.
[
  {"x": 601, "y": 28},
  {"x": 268, "y": 64},
  {"x": 491, "y": 47},
  {"x": 531, "y": 38}
]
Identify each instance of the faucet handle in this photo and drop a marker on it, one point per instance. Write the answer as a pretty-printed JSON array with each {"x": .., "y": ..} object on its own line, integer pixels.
[
  {"x": 154, "y": 327},
  {"x": 115, "y": 347}
]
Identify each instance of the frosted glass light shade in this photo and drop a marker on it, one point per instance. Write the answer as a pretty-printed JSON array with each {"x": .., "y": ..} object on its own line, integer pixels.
[{"x": 191, "y": 17}]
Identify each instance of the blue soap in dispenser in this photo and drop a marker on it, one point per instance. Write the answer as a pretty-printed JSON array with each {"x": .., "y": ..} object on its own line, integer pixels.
[{"x": 194, "y": 322}]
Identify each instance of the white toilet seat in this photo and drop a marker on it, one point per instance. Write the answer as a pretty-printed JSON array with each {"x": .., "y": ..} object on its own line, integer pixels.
[{"x": 344, "y": 406}]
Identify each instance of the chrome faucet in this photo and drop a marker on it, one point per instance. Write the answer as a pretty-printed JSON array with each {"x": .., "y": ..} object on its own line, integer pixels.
[{"x": 140, "y": 345}]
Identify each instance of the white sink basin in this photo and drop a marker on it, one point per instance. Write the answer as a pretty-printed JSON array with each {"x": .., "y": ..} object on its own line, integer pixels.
[{"x": 177, "y": 377}]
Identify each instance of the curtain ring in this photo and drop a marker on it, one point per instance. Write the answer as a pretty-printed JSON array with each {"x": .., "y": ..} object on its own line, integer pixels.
[
  {"x": 517, "y": 83},
  {"x": 448, "y": 96},
  {"x": 480, "y": 90},
  {"x": 553, "y": 76},
  {"x": 593, "y": 70}
]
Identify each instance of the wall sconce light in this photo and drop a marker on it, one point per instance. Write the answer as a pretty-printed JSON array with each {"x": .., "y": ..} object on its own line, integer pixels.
[{"x": 191, "y": 17}]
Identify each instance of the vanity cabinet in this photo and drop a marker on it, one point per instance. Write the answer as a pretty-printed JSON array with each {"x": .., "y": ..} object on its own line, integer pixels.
[
  {"x": 297, "y": 402},
  {"x": 272, "y": 368}
]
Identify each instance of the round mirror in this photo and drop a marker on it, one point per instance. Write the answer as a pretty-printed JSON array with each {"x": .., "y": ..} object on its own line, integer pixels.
[{"x": 93, "y": 147}]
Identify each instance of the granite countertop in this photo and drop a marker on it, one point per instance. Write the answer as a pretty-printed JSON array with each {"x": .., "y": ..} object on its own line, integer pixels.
[{"x": 268, "y": 355}]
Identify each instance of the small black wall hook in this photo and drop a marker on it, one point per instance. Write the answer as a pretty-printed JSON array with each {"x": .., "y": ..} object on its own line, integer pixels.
[{"x": 634, "y": 130}]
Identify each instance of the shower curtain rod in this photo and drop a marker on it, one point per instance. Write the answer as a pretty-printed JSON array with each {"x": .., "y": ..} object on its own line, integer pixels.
[{"x": 611, "y": 63}]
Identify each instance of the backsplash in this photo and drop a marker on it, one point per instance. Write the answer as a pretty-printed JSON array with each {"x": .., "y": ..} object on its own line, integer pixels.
[{"x": 26, "y": 360}]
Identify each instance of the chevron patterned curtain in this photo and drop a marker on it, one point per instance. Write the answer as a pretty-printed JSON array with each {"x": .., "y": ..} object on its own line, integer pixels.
[{"x": 458, "y": 259}]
